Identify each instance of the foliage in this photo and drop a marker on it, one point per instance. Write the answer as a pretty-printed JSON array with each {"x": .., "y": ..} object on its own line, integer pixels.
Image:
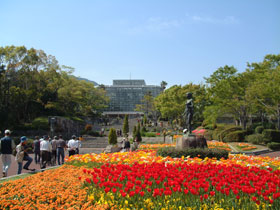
[
  {"x": 192, "y": 152},
  {"x": 271, "y": 135},
  {"x": 274, "y": 145},
  {"x": 227, "y": 129},
  {"x": 237, "y": 136},
  {"x": 148, "y": 134},
  {"x": 125, "y": 125},
  {"x": 138, "y": 136},
  {"x": 255, "y": 138},
  {"x": 112, "y": 137},
  {"x": 134, "y": 131},
  {"x": 259, "y": 129},
  {"x": 39, "y": 86},
  {"x": 171, "y": 102}
]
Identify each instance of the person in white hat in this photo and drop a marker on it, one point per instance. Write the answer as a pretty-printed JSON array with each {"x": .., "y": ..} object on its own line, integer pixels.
[{"x": 7, "y": 146}]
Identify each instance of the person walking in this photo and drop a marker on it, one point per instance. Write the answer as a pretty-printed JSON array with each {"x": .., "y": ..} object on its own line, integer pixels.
[
  {"x": 45, "y": 148},
  {"x": 54, "y": 147},
  {"x": 23, "y": 155},
  {"x": 7, "y": 146},
  {"x": 61, "y": 145},
  {"x": 78, "y": 145},
  {"x": 36, "y": 145},
  {"x": 72, "y": 146}
]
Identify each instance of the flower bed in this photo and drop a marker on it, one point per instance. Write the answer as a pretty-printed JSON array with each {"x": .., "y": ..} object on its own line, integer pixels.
[
  {"x": 141, "y": 180},
  {"x": 52, "y": 189},
  {"x": 245, "y": 147}
]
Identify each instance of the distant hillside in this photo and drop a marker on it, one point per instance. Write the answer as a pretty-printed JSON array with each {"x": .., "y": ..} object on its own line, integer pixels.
[{"x": 87, "y": 80}]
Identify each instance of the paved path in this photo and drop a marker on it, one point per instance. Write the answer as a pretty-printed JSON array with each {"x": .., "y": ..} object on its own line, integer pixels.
[
  {"x": 271, "y": 154},
  {"x": 14, "y": 167}
]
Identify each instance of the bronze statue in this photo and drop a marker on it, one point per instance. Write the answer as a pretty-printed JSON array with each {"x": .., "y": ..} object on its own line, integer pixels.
[{"x": 189, "y": 112}]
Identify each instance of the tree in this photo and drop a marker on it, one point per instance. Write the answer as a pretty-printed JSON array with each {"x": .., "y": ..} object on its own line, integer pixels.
[
  {"x": 163, "y": 85},
  {"x": 125, "y": 125},
  {"x": 112, "y": 137},
  {"x": 138, "y": 134},
  {"x": 134, "y": 131},
  {"x": 171, "y": 102},
  {"x": 228, "y": 94},
  {"x": 38, "y": 86},
  {"x": 265, "y": 89}
]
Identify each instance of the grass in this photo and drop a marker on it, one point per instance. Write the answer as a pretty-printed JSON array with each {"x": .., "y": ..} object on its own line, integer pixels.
[{"x": 239, "y": 149}]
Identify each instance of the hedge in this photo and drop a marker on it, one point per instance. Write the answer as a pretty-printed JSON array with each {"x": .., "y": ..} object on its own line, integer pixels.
[
  {"x": 271, "y": 135},
  {"x": 237, "y": 136},
  {"x": 259, "y": 129},
  {"x": 255, "y": 138},
  {"x": 274, "y": 145},
  {"x": 226, "y": 131},
  {"x": 192, "y": 152}
]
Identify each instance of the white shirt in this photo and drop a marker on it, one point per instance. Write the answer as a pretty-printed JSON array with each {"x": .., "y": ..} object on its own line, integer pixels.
[
  {"x": 78, "y": 143},
  {"x": 72, "y": 144},
  {"x": 45, "y": 146}
]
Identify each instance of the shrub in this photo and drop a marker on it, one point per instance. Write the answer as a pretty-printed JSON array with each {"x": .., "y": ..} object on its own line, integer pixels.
[
  {"x": 41, "y": 123},
  {"x": 208, "y": 135},
  {"x": 259, "y": 129},
  {"x": 93, "y": 133},
  {"x": 112, "y": 138},
  {"x": 255, "y": 138},
  {"x": 192, "y": 152},
  {"x": 237, "y": 136},
  {"x": 211, "y": 126},
  {"x": 125, "y": 125},
  {"x": 138, "y": 136},
  {"x": 143, "y": 130},
  {"x": 271, "y": 135},
  {"x": 274, "y": 145},
  {"x": 134, "y": 131},
  {"x": 227, "y": 130},
  {"x": 149, "y": 134},
  {"x": 217, "y": 131}
]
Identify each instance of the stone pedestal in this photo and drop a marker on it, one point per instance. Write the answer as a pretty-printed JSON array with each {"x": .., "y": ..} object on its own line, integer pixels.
[
  {"x": 191, "y": 141},
  {"x": 112, "y": 148}
]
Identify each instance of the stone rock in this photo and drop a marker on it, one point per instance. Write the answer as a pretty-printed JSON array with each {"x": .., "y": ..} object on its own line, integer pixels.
[
  {"x": 191, "y": 141},
  {"x": 112, "y": 148}
]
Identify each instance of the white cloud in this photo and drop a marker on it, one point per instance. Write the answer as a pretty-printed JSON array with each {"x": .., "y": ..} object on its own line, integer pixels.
[
  {"x": 204, "y": 19},
  {"x": 156, "y": 24}
]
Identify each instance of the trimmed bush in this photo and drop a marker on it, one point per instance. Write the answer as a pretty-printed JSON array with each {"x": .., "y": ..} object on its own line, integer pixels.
[
  {"x": 211, "y": 126},
  {"x": 148, "y": 134},
  {"x": 271, "y": 135},
  {"x": 237, "y": 136},
  {"x": 192, "y": 152},
  {"x": 41, "y": 123},
  {"x": 93, "y": 133},
  {"x": 227, "y": 130},
  {"x": 274, "y": 145},
  {"x": 125, "y": 125},
  {"x": 112, "y": 138},
  {"x": 208, "y": 135},
  {"x": 255, "y": 138},
  {"x": 259, "y": 129},
  {"x": 217, "y": 131}
]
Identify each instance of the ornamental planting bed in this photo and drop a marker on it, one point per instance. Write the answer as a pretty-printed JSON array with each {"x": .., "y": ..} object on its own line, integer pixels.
[{"x": 141, "y": 180}]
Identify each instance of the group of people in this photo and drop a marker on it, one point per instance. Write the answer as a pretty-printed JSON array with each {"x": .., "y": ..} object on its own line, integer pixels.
[{"x": 47, "y": 151}]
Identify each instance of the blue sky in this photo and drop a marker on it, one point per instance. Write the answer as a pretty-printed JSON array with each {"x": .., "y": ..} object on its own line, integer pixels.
[{"x": 178, "y": 41}]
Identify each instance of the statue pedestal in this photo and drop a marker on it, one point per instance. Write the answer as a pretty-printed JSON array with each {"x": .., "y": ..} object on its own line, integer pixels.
[{"x": 191, "y": 141}]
